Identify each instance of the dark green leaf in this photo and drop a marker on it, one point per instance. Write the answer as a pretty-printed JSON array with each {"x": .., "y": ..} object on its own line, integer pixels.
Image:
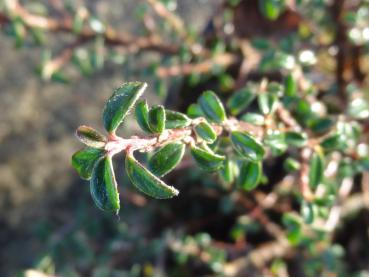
[
  {"x": 103, "y": 186},
  {"x": 176, "y": 120},
  {"x": 166, "y": 158},
  {"x": 268, "y": 102},
  {"x": 206, "y": 159},
  {"x": 194, "y": 111},
  {"x": 121, "y": 102},
  {"x": 297, "y": 139},
  {"x": 205, "y": 132},
  {"x": 142, "y": 116},
  {"x": 321, "y": 125},
  {"x": 157, "y": 119},
  {"x": 84, "y": 161},
  {"x": 274, "y": 88},
  {"x": 147, "y": 182},
  {"x": 240, "y": 100},
  {"x": 250, "y": 175},
  {"x": 316, "y": 169},
  {"x": 333, "y": 142},
  {"x": 212, "y": 107},
  {"x": 247, "y": 146},
  {"x": 290, "y": 86},
  {"x": 90, "y": 137}
]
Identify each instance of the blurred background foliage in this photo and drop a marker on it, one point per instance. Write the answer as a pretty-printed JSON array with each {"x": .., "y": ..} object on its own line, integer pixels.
[{"x": 61, "y": 60}]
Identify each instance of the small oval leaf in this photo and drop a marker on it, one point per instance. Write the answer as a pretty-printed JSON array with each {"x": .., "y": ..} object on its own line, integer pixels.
[
  {"x": 157, "y": 119},
  {"x": 147, "y": 182},
  {"x": 103, "y": 186},
  {"x": 227, "y": 172},
  {"x": 316, "y": 169},
  {"x": 206, "y": 159},
  {"x": 268, "y": 102},
  {"x": 250, "y": 175},
  {"x": 307, "y": 212},
  {"x": 333, "y": 142},
  {"x": 290, "y": 86},
  {"x": 271, "y": 9},
  {"x": 166, "y": 158},
  {"x": 84, "y": 161},
  {"x": 297, "y": 139},
  {"x": 247, "y": 146},
  {"x": 175, "y": 120},
  {"x": 194, "y": 110},
  {"x": 205, "y": 132},
  {"x": 90, "y": 137},
  {"x": 120, "y": 103},
  {"x": 253, "y": 118},
  {"x": 240, "y": 100},
  {"x": 212, "y": 107},
  {"x": 142, "y": 115}
]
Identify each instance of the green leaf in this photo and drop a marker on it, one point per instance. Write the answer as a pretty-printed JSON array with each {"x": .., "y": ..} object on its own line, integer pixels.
[
  {"x": 176, "y": 120},
  {"x": 247, "y": 146},
  {"x": 250, "y": 175},
  {"x": 206, "y": 159},
  {"x": 84, "y": 161},
  {"x": 19, "y": 31},
  {"x": 227, "y": 172},
  {"x": 120, "y": 103},
  {"x": 103, "y": 186},
  {"x": 271, "y": 9},
  {"x": 166, "y": 158},
  {"x": 157, "y": 119},
  {"x": 268, "y": 102},
  {"x": 240, "y": 100},
  {"x": 294, "y": 226},
  {"x": 253, "y": 118},
  {"x": 333, "y": 142},
  {"x": 307, "y": 212},
  {"x": 147, "y": 182},
  {"x": 291, "y": 165},
  {"x": 290, "y": 86},
  {"x": 204, "y": 131},
  {"x": 321, "y": 125},
  {"x": 276, "y": 140},
  {"x": 194, "y": 110},
  {"x": 316, "y": 169},
  {"x": 142, "y": 115},
  {"x": 212, "y": 107},
  {"x": 297, "y": 139},
  {"x": 90, "y": 137}
]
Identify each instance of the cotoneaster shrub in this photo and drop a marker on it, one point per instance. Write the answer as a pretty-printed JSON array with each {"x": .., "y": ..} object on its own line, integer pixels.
[{"x": 232, "y": 145}]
